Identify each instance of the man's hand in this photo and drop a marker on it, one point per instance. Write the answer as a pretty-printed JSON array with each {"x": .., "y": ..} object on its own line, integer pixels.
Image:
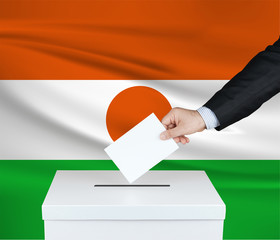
[{"x": 179, "y": 122}]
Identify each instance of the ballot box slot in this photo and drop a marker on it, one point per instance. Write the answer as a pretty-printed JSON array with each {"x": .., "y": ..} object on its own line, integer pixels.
[{"x": 131, "y": 185}]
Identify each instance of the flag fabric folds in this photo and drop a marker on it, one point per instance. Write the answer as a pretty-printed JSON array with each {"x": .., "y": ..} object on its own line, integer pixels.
[{"x": 168, "y": 39}]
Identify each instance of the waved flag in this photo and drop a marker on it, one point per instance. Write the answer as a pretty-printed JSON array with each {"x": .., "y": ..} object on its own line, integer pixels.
[{"x": 131, "y": 42}]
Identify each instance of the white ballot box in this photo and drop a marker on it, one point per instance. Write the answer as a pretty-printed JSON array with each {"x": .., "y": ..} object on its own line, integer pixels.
[{"x": 101, "y": 205}]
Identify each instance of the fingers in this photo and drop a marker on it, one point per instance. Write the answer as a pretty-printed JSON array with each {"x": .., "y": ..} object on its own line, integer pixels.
[
  {"x": 171, "y": 126},
  {"x": 173, "y": 130},
  {"x": 181, "y": 139},
  {"x": 168, "y": 119},
  {"x": 171, "y": 133},
  {"x": 184, "y": 139}
]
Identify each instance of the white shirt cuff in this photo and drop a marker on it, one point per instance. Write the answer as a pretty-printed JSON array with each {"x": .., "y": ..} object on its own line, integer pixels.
[{"x": 209, "y": 117}]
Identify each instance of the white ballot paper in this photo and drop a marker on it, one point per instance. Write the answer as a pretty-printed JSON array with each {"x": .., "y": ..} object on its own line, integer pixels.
[{"x": 140, "y": 148}]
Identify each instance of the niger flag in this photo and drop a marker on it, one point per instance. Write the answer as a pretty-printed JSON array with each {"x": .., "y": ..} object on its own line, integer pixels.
[{"x": 157, "y": 54}]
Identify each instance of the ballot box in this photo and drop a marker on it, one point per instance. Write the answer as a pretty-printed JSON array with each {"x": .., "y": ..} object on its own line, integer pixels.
[{"x": 101, "y": 205}]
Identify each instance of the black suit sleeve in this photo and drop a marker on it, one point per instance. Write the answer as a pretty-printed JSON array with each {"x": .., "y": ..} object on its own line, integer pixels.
[{"x": 248, "y": 90}]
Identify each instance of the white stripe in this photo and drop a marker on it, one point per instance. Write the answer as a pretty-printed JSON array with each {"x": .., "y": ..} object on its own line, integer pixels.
[{"x": 66, "y": 120}]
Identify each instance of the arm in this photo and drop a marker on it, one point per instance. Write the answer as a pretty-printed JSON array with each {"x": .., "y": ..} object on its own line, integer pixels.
[
  {"x": 242, "y": 95},
  {"x": 248, "y": 90}
]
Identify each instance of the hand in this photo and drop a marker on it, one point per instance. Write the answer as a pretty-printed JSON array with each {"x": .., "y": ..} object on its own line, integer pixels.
[{"x": 179, "y": 122}]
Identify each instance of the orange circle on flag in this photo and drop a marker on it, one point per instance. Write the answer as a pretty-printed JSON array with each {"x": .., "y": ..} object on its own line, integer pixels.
[{"x": 133, "y": 105}]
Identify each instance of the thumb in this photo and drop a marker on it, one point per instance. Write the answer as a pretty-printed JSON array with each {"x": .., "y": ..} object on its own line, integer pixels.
[{"x": 171, "y": 133}]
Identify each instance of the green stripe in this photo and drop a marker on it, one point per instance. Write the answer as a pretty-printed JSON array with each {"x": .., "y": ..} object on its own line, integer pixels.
[{"x": 249, "y": 188}]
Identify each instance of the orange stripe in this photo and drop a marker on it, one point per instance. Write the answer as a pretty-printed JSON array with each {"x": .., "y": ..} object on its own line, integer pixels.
[{"x": 133, "y": 39}]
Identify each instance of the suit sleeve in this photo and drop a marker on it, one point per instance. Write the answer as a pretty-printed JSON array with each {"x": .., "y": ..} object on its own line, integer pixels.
[{"x": 248, "y": 90}]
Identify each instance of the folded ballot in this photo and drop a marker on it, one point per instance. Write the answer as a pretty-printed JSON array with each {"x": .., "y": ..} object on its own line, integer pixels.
[{"x": 140, "y": 148}]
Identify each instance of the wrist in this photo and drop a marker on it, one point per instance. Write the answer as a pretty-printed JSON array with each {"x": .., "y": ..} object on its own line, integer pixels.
[
  {"x": 209, "y": 117},
  {"x": 201, "y": 125}
]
